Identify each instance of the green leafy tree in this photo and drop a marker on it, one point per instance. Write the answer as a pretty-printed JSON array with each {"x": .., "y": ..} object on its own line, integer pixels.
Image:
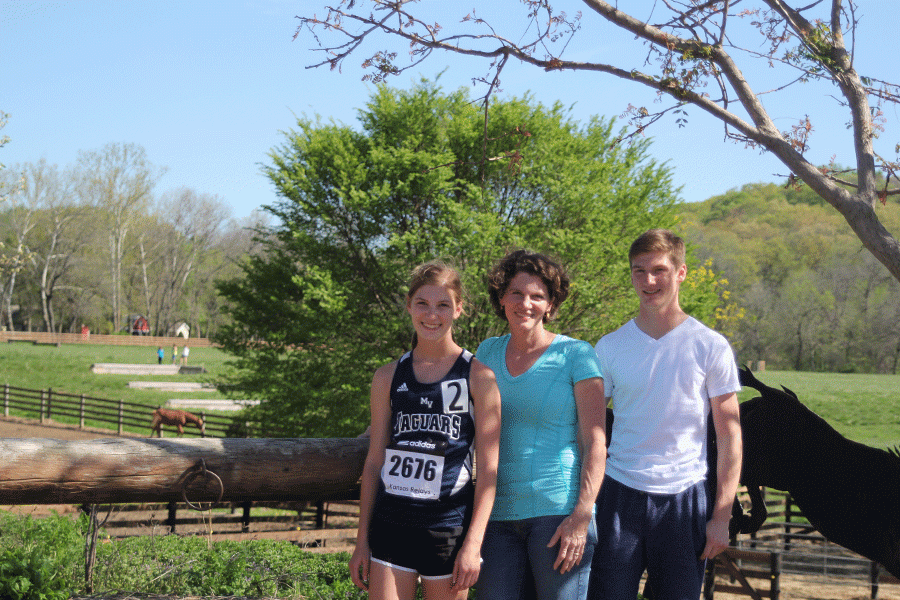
[
  {"x": 12, "y": 254},
  {"x": 706, "y": 294},
  {"x": 425, "y": 175}
]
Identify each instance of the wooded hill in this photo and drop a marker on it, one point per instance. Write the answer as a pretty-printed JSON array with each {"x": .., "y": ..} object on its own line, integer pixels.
[{"x": 812, "y": 297}]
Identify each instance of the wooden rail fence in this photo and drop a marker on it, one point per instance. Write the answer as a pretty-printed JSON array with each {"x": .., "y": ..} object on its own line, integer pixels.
[
  {"x": 57, "y": 339},
  {"x": 120, "y": 470},
  {"x": 757, "y": 574},
  {"x": 787, "y": 543},
  {"x": 197, "y": 473},
  {"x": 78, "y": 409},
  {"x": 124, "y": 470},
  {"x": 302, "y": 523},
  {"x": 764, "y": 568}
]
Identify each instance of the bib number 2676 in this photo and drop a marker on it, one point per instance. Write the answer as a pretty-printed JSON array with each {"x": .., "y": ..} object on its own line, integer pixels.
[{"x": 413, "y": 474}]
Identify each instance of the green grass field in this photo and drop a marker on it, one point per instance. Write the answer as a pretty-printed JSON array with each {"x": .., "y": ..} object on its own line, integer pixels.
[
  {"x": 865, "y": 408},
  {"x": 68, "y": 369}
]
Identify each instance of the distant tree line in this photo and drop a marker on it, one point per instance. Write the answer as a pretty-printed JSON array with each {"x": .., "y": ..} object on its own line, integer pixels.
[
  {"x": 91, "y": 244},
  {"x": 813, "y": 298}
]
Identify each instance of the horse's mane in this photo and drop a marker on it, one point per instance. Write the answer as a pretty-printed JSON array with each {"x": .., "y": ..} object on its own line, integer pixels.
[{"x": 895, "y": 451}]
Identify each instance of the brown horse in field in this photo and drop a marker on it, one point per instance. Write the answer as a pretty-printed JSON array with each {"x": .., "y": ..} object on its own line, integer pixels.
[{"x": 179, "y": 418}]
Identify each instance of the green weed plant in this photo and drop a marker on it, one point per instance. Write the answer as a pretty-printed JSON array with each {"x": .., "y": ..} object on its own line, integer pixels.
[
  {"x": 39, "y": 557},
  {"x": 43, "y": 559}
]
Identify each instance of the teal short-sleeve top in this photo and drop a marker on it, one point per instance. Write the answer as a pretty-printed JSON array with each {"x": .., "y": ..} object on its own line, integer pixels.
[{"x": 540, "y": 466}]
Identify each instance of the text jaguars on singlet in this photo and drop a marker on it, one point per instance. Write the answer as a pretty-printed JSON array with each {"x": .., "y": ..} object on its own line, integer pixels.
[{"x": 448, "y": 425}]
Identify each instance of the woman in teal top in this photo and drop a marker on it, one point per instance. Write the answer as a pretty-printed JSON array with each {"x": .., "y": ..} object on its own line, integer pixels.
[{"x": 552, "y": 440}]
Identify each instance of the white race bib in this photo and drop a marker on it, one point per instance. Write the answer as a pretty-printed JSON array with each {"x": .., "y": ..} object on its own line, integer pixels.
[{"x": 412, "y": 474}]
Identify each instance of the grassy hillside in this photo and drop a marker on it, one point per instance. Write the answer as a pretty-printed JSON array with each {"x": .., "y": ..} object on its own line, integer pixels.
[{"x": 812, "y": 298}]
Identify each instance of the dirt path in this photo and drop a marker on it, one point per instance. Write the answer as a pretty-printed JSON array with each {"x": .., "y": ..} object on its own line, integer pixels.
[{"x": 13, "y": 427}]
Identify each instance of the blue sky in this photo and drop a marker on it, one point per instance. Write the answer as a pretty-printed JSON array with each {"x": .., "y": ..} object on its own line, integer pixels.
[{"x": 206, "y": 88}]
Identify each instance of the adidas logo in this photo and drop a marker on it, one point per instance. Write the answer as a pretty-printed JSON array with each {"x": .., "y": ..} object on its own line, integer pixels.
[{"x": 403, "y": 387}]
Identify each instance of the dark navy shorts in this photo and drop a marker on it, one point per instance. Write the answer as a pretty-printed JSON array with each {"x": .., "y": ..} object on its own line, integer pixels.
[
  {"x": 428, "y": 552},
  {"x": 664, "y": 534}
]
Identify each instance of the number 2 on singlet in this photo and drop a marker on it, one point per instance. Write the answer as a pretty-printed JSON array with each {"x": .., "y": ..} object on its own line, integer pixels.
[
  {"x": 455, "y": 395},
  {"x": 412, "y": 474}
]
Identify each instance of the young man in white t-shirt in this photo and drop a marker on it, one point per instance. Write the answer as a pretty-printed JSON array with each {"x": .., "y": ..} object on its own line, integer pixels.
[{"x": 666, "y": 374}]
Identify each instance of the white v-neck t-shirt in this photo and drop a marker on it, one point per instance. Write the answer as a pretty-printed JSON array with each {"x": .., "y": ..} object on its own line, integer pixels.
[{"x": 660, "y": 391}]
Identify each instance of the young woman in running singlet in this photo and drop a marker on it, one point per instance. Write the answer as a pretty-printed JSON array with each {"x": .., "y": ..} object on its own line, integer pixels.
[{"x": 422, "y": 515}]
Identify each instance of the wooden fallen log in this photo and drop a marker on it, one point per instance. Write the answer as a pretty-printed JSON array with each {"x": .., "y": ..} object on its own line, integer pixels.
[{"x": 115, "y": 470}]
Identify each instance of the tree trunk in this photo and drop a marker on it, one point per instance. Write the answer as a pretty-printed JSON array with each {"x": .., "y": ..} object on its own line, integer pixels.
[
  {"x": 114, "y": 470},
  {"x": 8, "y": 300}
]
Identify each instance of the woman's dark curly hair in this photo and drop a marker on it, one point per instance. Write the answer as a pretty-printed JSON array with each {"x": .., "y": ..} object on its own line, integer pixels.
[{"x": 521, "y": 261}]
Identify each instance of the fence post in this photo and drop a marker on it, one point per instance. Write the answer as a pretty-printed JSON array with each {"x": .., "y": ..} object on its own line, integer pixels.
[
  {"x": 788, "y": 514},
  {"x": 874, "y": 573},
  {"x": 121, "y": 415},
  {"x": 775, "y": 584},
  {"x": 81, "y": 413},
  {"x": 43, "y": 403},
  {"x": 320, "y": 514},
  {"x": 203, "y": 418},
  {"x": 49, "y": 402},
  {"x": 5, "y": 399},
  {"x": 245, "y": 517},
  {"x": 172, "y": 516}
]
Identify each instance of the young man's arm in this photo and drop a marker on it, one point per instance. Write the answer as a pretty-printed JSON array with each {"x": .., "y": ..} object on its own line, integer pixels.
[{"x": 727, "y": 421}]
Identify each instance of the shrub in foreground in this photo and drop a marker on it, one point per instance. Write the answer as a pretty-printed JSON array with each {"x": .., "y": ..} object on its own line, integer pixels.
[{"x": 43, "y": 559}]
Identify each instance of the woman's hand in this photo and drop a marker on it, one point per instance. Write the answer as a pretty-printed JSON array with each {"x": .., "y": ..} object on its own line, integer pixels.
[
  {"x": 572, "y": 537},
  {"x": 359, "y": 566}
]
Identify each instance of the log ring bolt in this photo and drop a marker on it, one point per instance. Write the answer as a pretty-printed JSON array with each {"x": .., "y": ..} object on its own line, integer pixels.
[{"x": 200, "y": 469}]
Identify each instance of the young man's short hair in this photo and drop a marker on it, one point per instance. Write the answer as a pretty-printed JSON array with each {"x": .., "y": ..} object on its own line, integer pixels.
[{"x": 659, "y": 240}]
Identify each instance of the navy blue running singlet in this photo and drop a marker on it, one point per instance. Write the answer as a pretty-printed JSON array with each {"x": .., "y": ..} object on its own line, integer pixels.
[{"x": 426, "y": 479}]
